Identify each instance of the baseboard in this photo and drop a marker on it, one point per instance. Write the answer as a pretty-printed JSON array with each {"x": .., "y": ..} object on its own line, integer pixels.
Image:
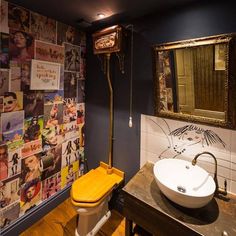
[{"x": 37, "y": 213}]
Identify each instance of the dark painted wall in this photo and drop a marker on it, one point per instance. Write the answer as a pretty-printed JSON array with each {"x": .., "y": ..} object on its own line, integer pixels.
[{"x": 196, "y": 20}]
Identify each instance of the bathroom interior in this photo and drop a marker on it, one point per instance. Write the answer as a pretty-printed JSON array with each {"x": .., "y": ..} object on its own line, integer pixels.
[{"x": 117, "y": 109}]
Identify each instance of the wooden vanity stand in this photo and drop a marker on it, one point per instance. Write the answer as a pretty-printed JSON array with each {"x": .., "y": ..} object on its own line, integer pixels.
[{"x": 147, "y": 207}]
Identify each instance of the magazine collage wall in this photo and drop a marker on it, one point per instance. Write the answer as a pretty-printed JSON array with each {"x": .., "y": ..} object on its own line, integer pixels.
[{"x": 42, "y": 95}]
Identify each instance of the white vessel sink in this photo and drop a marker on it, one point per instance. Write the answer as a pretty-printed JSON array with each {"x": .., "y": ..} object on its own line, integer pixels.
[{"x": 187, "y": 185}]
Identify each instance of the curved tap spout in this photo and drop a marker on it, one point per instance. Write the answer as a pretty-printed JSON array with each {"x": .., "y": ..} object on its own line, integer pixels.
[{"x": 194, "y": 162}]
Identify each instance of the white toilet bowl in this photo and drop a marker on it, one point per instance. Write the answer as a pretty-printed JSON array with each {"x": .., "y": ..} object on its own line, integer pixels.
[
  {"x": 90, "y": 195},
  {"x": 91, "y": 219}
]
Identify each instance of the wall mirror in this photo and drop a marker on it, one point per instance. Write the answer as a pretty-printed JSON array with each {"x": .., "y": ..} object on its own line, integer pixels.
[{"x": 192, "y": 80}]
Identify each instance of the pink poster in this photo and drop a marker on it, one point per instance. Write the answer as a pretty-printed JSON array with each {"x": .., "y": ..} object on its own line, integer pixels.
[{"x": 49, "y": 52}]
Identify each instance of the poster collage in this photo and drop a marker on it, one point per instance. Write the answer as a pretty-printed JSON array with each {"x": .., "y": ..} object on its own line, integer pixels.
[
  {"x": 42, "y": 109},
  {"x": 165, "y": 76}
]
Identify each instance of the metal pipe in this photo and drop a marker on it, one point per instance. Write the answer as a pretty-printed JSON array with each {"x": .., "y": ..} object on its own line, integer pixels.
[
  {"x": 111, "y": 124},
  {"x": 218, "y": 189},
  {"x": 194, "y": 162}
]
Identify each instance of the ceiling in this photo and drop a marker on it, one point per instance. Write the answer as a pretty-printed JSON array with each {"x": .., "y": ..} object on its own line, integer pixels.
[{"x": 83, "y": 13}]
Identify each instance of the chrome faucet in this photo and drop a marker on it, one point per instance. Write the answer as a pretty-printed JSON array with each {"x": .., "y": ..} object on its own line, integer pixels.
[{"x": 218, "y": 189}]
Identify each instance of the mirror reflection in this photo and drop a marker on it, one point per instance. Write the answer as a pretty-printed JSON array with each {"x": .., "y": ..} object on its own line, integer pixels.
[{"x": 192, "y": 79}]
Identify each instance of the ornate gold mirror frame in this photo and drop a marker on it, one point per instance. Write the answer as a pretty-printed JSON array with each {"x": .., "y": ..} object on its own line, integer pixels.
[{"x": 229, "y": 82}]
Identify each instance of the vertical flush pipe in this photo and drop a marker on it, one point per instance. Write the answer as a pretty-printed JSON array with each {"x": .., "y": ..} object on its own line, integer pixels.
[{"x": 111, "y": 123}]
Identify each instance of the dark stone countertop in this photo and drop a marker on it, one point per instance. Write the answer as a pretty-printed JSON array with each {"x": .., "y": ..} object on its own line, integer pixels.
[{"x": 211, "y": 220}]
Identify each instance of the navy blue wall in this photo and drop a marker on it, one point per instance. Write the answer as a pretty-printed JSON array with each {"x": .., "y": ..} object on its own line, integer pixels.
[{"x": 196, "y": 20}]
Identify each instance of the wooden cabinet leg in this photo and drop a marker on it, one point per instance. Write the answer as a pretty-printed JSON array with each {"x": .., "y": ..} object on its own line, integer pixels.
[{"x": 128, "y": 227}]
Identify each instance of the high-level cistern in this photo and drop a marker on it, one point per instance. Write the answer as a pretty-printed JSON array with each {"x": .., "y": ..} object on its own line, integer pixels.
[{"x": 218, "y": 189}]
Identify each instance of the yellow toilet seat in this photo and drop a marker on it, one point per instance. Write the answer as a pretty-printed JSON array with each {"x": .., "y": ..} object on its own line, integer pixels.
[{"x": 92, "y": 188}]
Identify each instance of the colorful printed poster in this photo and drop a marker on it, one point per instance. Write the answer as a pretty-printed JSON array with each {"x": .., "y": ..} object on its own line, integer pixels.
[
  {"x": 69, "y": 152},
  {"x": 20, "y": 76},
  {"x": 25, "y": 69},
  {"x": 51, "y": 137},
  {"x": 18, "y": 17},
  {"x": 13, "y": 101},
  {"x": 82, "y": 164},
  {"x": 76, "y": 142},
  {"x": 81, "y": 133},
  {"x": 30, "y": 195},
  {"x": 13, "y": 137},
  {"x": 51, "y": 98},
  {"x": 53, "y": 115},
  {"x": 9, "y": 214},
  {"x": 4, "y": 50},
  {"x": 14, "y": 162},
  {"x": 33, "y": 103},
  {"x": 82, "y": 62},
  {"x": 70, "y": 130},
  {"x": 80, "y": 113},
  {"x": 43, "y": 28},
  {"x": 49, "y": 52},
  {"x": 33, "y": 128},
  {"x": 70, "y": 84},
  {"x": 21, "y": 47},
  {"x": 12, "y": 121},
  {"x": 3, "y": 162},
  {"x": 51, "y": 186},
  {"x": 70, "y": 111},
  {"x": 67, "y": 34},
  {"x": 31, "y": 168},
  {"x": 81, "y": 91},
  {"x": 61, "y": 87},
  {"x": 4, "y": 81},
  {"x": 69, "y": 174},
  {"x": 4, "y": 17},
  {"x": 1, "y": 110},
  {"x": 15, "y": 77},
  {"x": 31, "y": 148},
  {"x": 72, "y": 58},
  {"x": 45, "y": 75},
  {"x": 51, "y": 162},
  {"x": 16, "y": 143},
  {"x": 9, "y": 191}
]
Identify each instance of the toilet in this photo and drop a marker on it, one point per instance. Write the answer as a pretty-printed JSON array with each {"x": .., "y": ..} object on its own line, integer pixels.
[{"x": 90, "y": 195}]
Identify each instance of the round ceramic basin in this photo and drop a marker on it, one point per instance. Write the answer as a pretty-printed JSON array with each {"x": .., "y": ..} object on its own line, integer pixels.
[{"x": 187, "y": 185}]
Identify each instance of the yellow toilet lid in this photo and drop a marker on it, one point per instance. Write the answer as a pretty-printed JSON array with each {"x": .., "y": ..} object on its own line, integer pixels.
[{"x": 92, "y": 186}]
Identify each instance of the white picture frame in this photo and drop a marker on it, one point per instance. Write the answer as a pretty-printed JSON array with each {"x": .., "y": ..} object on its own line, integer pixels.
[{"x": 45, "y": 75}]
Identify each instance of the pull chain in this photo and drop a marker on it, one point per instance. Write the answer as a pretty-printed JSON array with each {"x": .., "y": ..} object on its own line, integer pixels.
[{"x": 131, "y": 78}]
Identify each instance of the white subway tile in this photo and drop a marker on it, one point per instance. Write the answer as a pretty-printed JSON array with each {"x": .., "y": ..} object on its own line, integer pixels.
[
  {"x": 233, "y": 171},
  {"x": 233, "y": 187},
  {"x": 156, "y": 142},
  {"x": 147, "y": 156},
  {"x": 233, "y": 143}
]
